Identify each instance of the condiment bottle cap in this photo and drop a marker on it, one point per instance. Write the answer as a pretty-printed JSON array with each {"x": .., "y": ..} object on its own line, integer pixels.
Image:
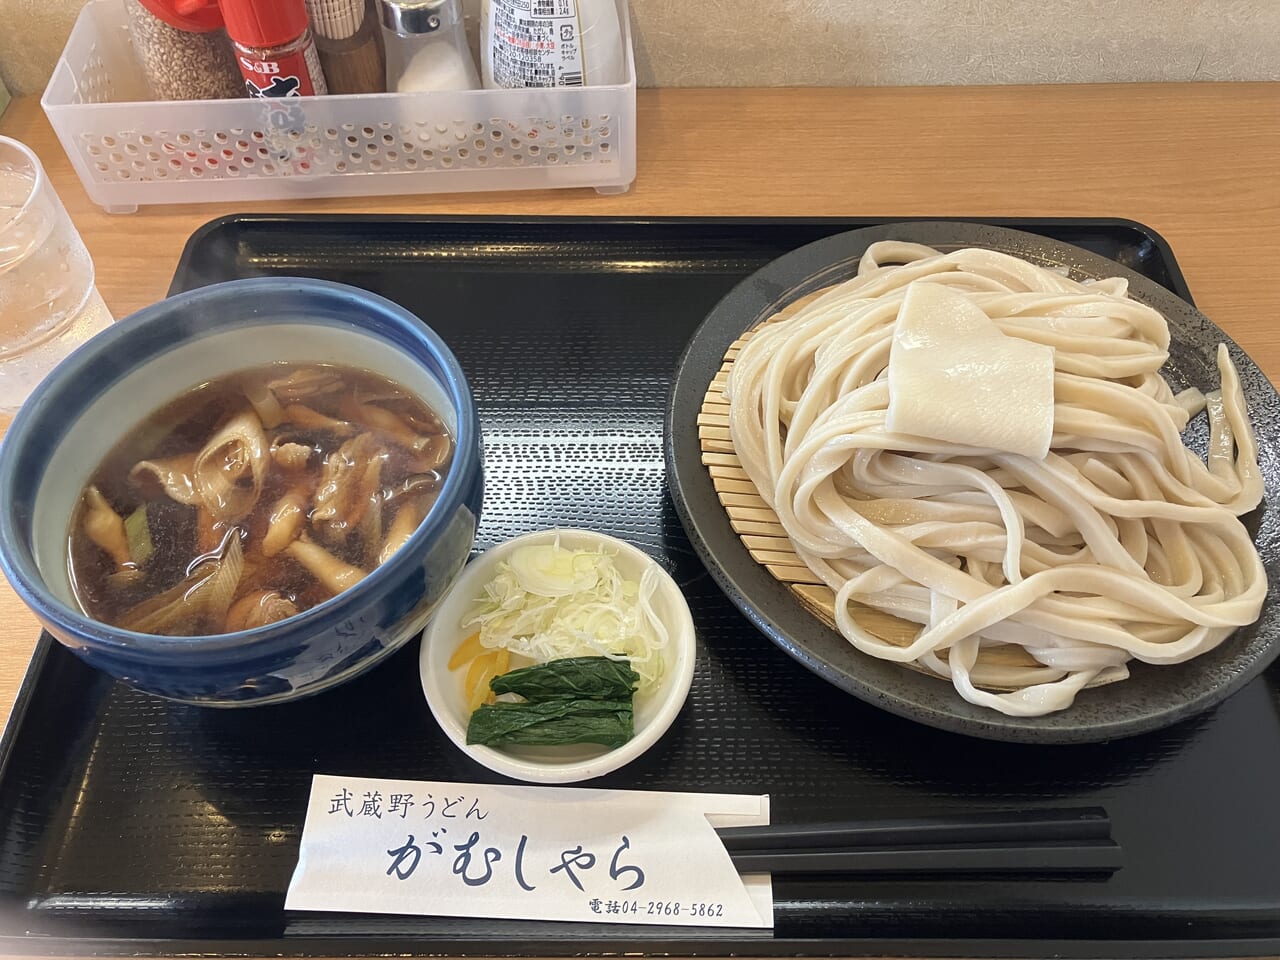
[
  {"x": 193, "y": 16},
  {"x": 407, "y": 17},
  {"x": 264, "y": 23}
]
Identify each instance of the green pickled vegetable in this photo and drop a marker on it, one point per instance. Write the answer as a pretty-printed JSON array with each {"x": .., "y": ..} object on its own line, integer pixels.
[
  {"x": 571, "y": 700},
  {"x": 555, "y": 722},
  {"x": 583, "y": 678},
  {"x": 138, "y": 533}
]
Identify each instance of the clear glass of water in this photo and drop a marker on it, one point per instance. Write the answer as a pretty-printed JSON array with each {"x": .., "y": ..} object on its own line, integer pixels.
[{"x": 49, "y": 304}]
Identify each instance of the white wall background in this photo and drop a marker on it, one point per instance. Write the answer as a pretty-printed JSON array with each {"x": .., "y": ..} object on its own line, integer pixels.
[{"x": 865, "y": 42}]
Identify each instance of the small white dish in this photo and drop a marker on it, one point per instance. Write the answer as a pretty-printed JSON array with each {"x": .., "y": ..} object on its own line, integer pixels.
[{"x": 654, "y": 712}]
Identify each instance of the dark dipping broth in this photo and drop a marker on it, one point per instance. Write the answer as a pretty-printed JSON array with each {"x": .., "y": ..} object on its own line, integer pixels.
[{"x": 254, "y": 497}]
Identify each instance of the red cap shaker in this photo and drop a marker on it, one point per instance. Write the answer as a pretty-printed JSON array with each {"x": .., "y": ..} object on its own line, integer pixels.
[
  {"x": 193, "y": 16},
  {"x": 274, "y": 47}
]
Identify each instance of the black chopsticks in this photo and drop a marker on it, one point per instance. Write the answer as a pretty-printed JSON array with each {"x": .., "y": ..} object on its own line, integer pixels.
[{"x": 1037, "y": 842}]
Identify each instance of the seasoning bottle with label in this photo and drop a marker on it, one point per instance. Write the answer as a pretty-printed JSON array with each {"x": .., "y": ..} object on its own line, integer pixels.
[
  {"x": 551, "y": 43},
  {"x": 426, "y": 46},
  {"x": 274, "y": 47},
  {"x": 183, "y": 49}
]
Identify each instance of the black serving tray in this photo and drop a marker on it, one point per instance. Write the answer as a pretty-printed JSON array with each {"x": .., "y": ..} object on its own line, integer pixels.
[{"x": 134, "y": 826}]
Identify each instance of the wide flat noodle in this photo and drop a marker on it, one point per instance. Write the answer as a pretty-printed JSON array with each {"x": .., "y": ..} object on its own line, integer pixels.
[
  {"x": 1119, "y": 544},
  {"x": 954, "y": 376}
]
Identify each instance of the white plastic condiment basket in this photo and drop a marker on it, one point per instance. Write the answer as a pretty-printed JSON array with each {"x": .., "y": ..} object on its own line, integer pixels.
[{"x": 130, "y": 151}]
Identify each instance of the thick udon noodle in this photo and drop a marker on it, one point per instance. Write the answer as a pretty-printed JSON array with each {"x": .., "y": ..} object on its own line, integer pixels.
[{"x": 1121, "y": 544}]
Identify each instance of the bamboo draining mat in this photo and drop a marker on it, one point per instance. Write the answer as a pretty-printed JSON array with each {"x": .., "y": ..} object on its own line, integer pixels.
[{"x": 755, "y": 522}]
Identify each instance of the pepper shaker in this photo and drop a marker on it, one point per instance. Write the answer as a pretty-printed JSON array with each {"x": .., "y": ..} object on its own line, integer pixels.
[
  {"x": 426, "y": 46},
  {"x": 274, "y": 47}
]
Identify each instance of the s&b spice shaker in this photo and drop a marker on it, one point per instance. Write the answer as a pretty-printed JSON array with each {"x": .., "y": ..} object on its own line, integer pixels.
[
  {"x": 274, "y": 47},
  {"x": 183, "y": 49}
]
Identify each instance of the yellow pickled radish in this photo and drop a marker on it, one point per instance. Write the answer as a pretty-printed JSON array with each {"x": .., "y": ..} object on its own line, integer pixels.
[
  {"x": 478, "y": 666},
  {"x": 467, "y": 651},
  {"x": 483, "y": 669}
]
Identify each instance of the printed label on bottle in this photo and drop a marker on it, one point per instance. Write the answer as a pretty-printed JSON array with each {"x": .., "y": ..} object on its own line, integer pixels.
[
  {"x": 537, "y": 43},
  {"x": 285, "y": 76}
]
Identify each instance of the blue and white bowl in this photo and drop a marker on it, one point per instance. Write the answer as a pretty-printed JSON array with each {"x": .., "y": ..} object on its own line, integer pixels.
[{"x": 95, "y": 396}]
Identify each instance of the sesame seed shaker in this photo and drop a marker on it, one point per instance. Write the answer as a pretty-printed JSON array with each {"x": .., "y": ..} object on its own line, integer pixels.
[{"x": 183, "y": 49}]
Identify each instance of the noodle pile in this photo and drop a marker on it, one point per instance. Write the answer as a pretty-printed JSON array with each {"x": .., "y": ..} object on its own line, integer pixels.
[{"x": 1120, "y": 544}]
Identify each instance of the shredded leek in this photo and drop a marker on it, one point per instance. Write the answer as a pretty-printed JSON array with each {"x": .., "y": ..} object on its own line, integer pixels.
[
  {"x": 548, "y": 602},
  {"x": 138, "y": 532}
]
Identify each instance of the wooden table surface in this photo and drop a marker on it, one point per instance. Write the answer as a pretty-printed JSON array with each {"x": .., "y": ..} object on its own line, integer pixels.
[{"x": 1196, "y": 162}]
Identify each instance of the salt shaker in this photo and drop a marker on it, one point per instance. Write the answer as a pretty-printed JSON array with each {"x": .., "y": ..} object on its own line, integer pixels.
[
  {"x": 183, "y": 49},
  {"x": 426, "y": 46}
]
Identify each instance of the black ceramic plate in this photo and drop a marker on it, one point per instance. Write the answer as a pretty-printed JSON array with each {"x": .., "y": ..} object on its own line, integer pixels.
[{"x": 1152, "y": 697}]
